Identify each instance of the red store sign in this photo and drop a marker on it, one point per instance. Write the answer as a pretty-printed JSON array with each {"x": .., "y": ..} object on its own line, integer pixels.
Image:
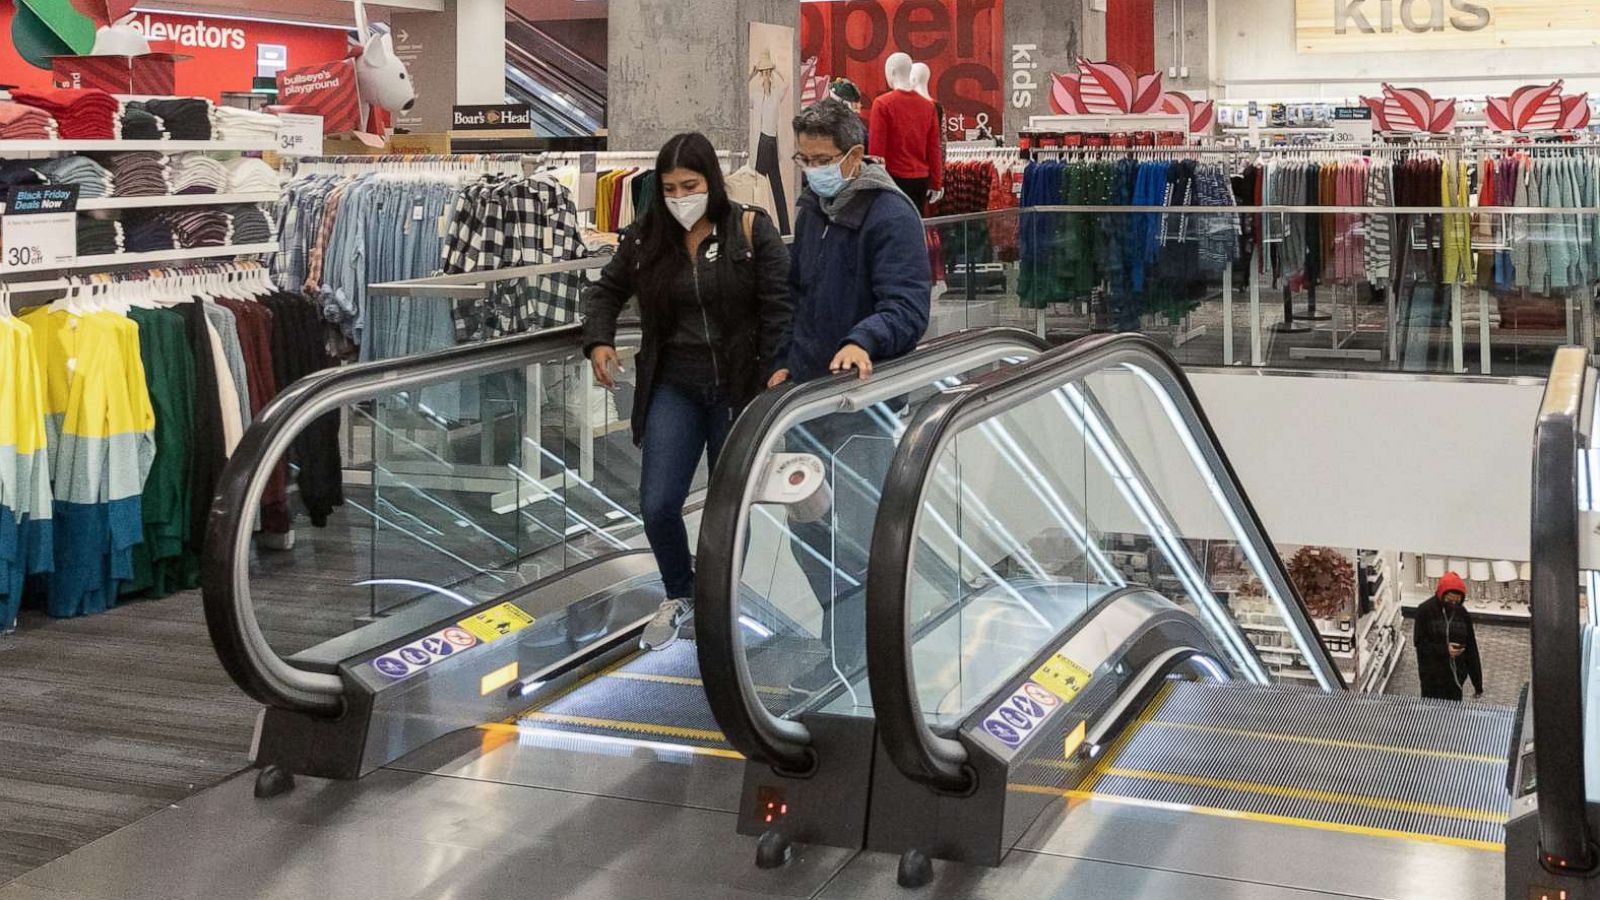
[
  {"x": 962, "y": 41},
  {"x": 225, "y": 52}
]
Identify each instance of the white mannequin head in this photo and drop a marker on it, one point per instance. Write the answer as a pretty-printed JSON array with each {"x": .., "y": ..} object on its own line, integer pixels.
[
  {"x": 897, "y": 69},
  {"x": 920, "y": 73}
]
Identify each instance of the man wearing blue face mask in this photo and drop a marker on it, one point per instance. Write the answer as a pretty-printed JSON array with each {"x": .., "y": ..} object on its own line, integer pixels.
[
  {"x": 859, "y": 264},
  {"x": 859, "y": 282}
]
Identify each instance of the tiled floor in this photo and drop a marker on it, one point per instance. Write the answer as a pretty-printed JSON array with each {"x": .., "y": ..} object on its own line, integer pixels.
[{"x": 1506, "y": 664}]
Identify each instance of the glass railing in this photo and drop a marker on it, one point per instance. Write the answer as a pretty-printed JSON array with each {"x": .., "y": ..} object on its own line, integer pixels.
[
  {"x": 1028, "y": 501},
  {"x": 1493, "y": 291},
  {"x": 798, "y": 491},
  {"x": 466, "y": 474}
]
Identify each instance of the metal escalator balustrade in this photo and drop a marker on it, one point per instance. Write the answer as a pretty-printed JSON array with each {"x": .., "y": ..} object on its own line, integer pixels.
[
  {"x": 552, "y": 650},
  {"x": 801, "y": 715},
  {"x": 1550, "y": 840},
  {"x": 232, "y": 616},
  {"x": 1097, "y": 471}
]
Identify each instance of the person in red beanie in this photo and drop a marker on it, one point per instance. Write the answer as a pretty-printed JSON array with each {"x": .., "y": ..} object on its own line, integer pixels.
[{"x": 1447, "y": 647}]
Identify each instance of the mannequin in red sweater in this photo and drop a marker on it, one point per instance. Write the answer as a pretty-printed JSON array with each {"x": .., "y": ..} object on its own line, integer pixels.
[{"x": 904, "y": 131}]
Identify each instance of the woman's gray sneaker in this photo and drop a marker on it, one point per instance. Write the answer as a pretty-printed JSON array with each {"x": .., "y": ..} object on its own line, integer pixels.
[{"x": 664, "y": 630}]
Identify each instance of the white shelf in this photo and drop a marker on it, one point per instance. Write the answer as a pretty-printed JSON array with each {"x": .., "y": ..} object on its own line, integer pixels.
[
  {"x": 160, "y": 200},
  {"x": 1388, "y": 611},
  {"x": 1377, "y": 685},
  {"x": 257, "y": 145},
  {"x": 126, "y": 259}
]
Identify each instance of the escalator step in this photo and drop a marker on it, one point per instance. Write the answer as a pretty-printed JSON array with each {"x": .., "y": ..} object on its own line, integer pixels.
[
  {"x": 1366, "y": 762},
  {"x": 650, "y": 696}
]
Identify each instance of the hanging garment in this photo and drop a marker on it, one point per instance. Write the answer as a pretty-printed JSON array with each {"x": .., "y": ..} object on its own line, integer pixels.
[
  {"x": 100, "y": 428},
  {"x": 26, "y": 502}
]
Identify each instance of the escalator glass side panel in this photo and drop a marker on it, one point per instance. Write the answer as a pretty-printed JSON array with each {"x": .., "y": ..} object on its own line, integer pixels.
[
  {"x": 424, "y": 485},
  {"x": 804, "y": 567},
  {"x": 1031, "y": 515},
  {"x": 465, "y": 489}
]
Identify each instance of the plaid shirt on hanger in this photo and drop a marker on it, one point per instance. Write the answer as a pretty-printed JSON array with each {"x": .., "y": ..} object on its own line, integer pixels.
[{"x": 506, "y": 222}]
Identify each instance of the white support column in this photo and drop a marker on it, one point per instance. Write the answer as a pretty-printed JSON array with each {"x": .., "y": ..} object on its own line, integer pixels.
[
  {"x": 480, "y": 51},
  {"x": 1484, "y": 363},
  {"x": 1458, "y": 352},
  {"x": 1257, "y": 354}
]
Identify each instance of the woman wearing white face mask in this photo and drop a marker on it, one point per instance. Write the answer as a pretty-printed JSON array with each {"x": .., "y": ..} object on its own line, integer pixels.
[{"x": 712, "y": 281}]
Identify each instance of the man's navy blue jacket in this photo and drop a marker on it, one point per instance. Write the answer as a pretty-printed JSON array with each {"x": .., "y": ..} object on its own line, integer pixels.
[{"x": 861, "y": 278}]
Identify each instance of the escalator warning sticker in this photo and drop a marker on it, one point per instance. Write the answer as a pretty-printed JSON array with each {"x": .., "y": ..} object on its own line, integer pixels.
[
  {"x": 496, "y": 622},
  {"x": 1062, "y": 677}
]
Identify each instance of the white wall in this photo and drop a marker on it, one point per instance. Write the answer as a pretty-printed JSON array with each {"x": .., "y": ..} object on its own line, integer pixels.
[
  {"x": 1438, "y": 467},
  {"x": 1256, "y": 59}
]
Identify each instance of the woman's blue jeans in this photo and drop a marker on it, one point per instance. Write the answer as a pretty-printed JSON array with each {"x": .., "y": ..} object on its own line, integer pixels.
[{"x": 682, "y": 423}]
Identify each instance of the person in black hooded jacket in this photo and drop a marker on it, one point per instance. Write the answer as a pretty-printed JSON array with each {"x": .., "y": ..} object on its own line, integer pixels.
[
  {"x": 1447, "y": 646},
  {"x": 712, "y": 278}
]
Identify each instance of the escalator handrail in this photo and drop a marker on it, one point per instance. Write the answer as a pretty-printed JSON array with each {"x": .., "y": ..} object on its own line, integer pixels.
[
  {"x": 236, "y": 635},
  {"x": 1557, "y": 644},
  {"x": 917, "y": 751},
  {"x": 745, "y": 721}
]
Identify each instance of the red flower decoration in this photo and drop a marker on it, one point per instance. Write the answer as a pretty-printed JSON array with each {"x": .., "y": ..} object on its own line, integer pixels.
[
  {"x": 1201, "y": 115},
  {"x": 1411, "y": 110},
  {"x": 1538, "y": 107},
  {"x": 1104, "y": 88}
]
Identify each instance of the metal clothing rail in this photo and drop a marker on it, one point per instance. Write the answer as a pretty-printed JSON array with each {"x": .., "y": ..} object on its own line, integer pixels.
[
  {"x": 1270, "y": 210},
  {"x": 153, "y": 273}
]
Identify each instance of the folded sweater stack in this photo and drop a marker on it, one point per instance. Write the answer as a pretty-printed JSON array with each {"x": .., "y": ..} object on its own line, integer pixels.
[
  {"x": 80, "y": 114},
  {"x": 138, "y": 174},
  {"x": 99, "y": 237},
  {"x": 235, "y": 124},
  {"x": 182, "y": 118},
  {"x": 248, "y": 175},
  {"x": 147, "y": 234},
  {"x": 196, "y": 173},
  {"x": 250, "y": 225},
  {"x": 92, "y": 179},
  {"x": 25, "y": 123},
  {"x": 140, "y": 124}
]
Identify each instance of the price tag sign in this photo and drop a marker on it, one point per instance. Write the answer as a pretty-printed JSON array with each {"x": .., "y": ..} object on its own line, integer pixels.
[
  {"x": 39, "y": 227},
  {"x": 300, "y": 135},
  {"x": 1352, "y": 125}
]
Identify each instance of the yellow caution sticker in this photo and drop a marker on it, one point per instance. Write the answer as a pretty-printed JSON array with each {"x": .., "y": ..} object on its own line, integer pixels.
[
  {"x": 1074, "y": 740},
  {"x": 497, "y": 679},
  {"x": 1062, "y": 677},
  {"x": 496, "y": 622}
]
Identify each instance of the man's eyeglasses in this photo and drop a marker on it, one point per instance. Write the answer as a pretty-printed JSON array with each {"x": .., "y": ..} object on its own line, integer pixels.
[{"x": 817, "y": 162}]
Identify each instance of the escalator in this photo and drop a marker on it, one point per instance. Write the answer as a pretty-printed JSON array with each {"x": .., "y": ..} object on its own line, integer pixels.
[
  {"x": 567, "y": 92},
  {"x": 1140, "y": 743},
  {"x": 463, "y": 679},
  {"x": 976, "y": 621}
]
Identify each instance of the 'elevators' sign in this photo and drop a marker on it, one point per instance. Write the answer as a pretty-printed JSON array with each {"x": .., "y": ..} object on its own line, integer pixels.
[{"x": 1360, "y": 26}]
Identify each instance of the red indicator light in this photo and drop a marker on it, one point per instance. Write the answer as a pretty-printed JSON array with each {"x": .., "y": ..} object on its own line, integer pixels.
[{"x": 783, "y": 810}]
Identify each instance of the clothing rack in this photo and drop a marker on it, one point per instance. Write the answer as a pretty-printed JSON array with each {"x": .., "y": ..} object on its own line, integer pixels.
[
  {"x": 979, "y": 153},
  {"x": 179, "y": 273},
  {"x": 466, "y": 163}
]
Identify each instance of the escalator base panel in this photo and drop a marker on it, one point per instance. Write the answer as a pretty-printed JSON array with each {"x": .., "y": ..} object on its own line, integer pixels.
[
  {"x": 1391, "y": 765},
  {"x": 653, "y": 697}
]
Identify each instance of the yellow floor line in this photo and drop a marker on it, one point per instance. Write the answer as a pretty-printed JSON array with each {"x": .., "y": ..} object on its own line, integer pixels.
[
  {"x": 693, "y": 734},
  {"x": 1323, "y": 742},
  {"x": 514, "y": 730},
  {"x": 1275, "y": 790},
  {"x": 1489, "y": 846}
]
